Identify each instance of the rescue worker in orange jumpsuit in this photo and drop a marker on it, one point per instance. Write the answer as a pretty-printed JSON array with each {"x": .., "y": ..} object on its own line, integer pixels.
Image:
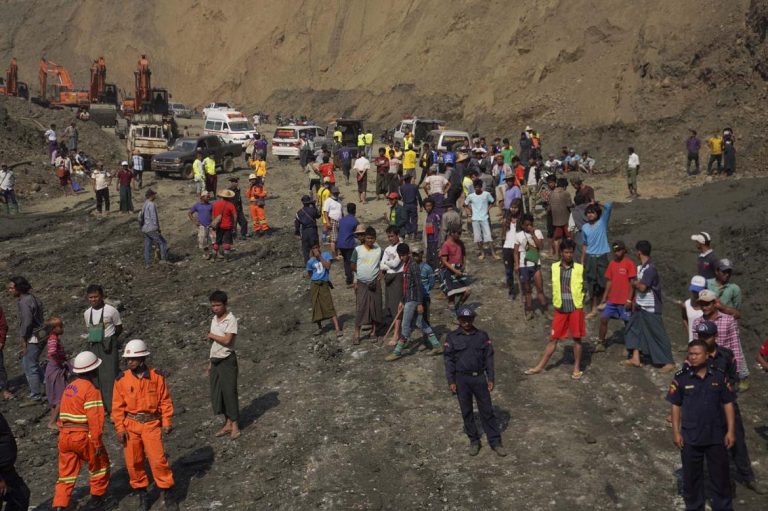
[
  {"x": 142, "y": 411},
  {"x": 81, "y": 424},
  {"x": 256, "y": 195}
]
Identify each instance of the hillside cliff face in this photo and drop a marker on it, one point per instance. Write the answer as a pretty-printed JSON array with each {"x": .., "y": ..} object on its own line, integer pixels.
[{"x": 568, "y": 66}]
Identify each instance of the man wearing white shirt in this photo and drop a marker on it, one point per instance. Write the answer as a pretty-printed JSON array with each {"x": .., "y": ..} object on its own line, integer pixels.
[
  {"x": 633, "y": 166},
  {"x": 361, "y": 166},
  {"x": 7, "y": 185},
  {"x": 101, "y": 180},
  {"x": 332, "y": 217},
  {"x": 104, "y": 326},
  {"x": 52, "y": 141}
]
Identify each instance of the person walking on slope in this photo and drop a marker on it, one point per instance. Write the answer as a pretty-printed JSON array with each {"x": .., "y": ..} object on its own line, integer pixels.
[
  {"x": 200, "y": 214},
  {"x": 142, "y": 411},
  {"x": 30, "y": 314},
  {"x": 81, "y": 425},
  {"x": 224, "y": 221}
]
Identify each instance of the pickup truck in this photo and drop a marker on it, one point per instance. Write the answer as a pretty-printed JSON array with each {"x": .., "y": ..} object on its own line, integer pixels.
[{"x": 179, "y": 159}]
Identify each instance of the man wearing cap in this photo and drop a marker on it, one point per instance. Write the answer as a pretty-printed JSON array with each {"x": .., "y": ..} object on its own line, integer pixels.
[
  {"x": 396, "y": 214},
  {"x": 728, "y": 293},
  {"x": 728, "y": 335},
  {"x": 209, "y": 167},
  {"x": 150, "y": 226},
  {"x": 703, "y": 427},
  {"x": 256, "y": 195},
  {"x": 224, "y": 221},
  {"x": 124, "y": 178},
  {"x": 100, "y": 180},
  {"x": 645, "y": 331},
  {"x": 200, "y": 214},
  {"x": 468, "y": 356},
  {"x": 7, "y": 188},
  {"x": 81, "y": 425},
  {"x": 305, "y": 225},
  {"x": 346, "y": 243},
  {"x": 198, "y": 173},
  {"x": 141, "y": 412},
  {"x": 331, "y": 218},
  {"x": 617, "y": 297},
  {"x": 707, "y": 260},
  {"x": 722, "y": 359},
  {"x": 690, "y": 307},
  {"x": 412, "y": 307},
  {"x": 237, "y": 201}
]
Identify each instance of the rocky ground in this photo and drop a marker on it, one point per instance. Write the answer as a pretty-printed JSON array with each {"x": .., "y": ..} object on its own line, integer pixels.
[{"x": 329, "y": 425}]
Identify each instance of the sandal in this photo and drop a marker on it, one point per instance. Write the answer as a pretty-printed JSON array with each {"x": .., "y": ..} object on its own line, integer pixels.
[
  {"x": 577, "y": 375},
  {"x": 339, "y": 334},
  {"x": 531, "y": 371}
]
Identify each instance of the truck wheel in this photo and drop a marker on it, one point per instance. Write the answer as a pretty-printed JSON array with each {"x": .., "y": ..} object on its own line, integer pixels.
[
  {"x": 161, "y": 175},
  {"x": 228, "y": 165},
  {"x": 188, "y": 172},
  {"x": 282, "y": 157}
]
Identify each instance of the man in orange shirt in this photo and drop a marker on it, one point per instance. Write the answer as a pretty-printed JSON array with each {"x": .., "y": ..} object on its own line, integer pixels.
[
  {"x": 81, "y": 425},
  {"x": 326, "y": 169},
  {"x": 224, "y": 221},
  {"x": 256, "y": 195},
  {"x": 142, "y": 411}
]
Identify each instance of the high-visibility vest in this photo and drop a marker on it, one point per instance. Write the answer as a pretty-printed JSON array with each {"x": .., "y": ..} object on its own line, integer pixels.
[
  {"x": 369, "y": 138},
  {"x": 361, "y": 140},
  {"x": 407, "y": 141},
  {"x": 209, "y": 164},
  {"x": 337, "y": 136},
  {"x": 577, "y": 286}
]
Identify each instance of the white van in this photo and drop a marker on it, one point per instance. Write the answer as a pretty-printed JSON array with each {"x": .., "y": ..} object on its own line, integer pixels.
[
  {"x": 233, "y": 127},
  {"x": 448, "y": 140},
  {"x": 286, "y": 141}
]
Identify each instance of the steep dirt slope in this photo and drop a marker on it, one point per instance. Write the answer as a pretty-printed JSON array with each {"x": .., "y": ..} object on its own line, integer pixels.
[{"x": 591, "y": 72}]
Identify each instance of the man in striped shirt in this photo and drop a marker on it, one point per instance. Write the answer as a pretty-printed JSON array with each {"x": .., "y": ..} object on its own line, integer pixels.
[{"x": 727, "y": 332}]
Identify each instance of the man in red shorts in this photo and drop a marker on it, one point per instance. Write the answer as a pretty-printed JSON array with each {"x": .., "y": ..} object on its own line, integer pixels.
[{"x": 568, "y": 302}]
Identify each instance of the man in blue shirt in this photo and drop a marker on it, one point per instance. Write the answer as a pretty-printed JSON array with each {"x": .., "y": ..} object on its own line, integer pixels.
[
  {"x": 348, "y": 241},
  {"x": 595, "y": 251},
  {"x": 479, "y": 202},
  {"x": 319, "y": 272},
  {"x": 200, "y": 215}
]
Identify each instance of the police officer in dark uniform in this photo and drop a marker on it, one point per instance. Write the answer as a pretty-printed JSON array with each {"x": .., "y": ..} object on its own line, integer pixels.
[
  {"x": 238, "y": 203},
  {"x": 469, "y": 369},
  {"x": 723, "y": 359},
  {"x": 703, "y": 426}
]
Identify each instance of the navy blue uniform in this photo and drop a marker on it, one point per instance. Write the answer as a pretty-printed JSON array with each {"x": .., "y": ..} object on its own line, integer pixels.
[
  {"x": 411, "y": 203},
  {"x": 703, "y": 427},
  {"x": 305, "y": 226},
  {"x": 469, "y": 364}
]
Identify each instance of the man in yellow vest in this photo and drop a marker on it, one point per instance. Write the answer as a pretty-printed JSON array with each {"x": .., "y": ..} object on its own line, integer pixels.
[
  {"x": 715, "y": 144},
  {"x": 337, "y": 135},
  {"x": 368, "y": 144},
  {"x": 209, "y": 165},
  {"x": 198, "y": 172},
  {"x": 407, "y": 140},
  {"x": 361, "y": 141},
  {"x": 568, "y": 302}
]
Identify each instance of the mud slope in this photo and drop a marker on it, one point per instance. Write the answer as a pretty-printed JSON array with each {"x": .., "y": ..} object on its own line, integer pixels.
[{"x": 605, "y": 71}]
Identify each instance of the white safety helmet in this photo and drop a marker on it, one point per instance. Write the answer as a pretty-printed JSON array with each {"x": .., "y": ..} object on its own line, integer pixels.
[
  {"x": 135, "y": 349},
  {"x": 84, "y": 362}
]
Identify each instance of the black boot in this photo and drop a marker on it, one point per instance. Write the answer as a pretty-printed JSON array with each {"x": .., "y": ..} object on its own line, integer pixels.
[
  {"x": 143, "y": 500},
  {"x": 169, "y": 500}
]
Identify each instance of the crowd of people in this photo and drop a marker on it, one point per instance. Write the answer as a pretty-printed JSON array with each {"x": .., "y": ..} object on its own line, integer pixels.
[{"x": 542, "y": 229}]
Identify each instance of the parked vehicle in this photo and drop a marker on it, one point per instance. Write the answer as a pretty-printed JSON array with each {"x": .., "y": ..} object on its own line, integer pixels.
[
  {"x": 419, "y": 127},
  {"x": 180, "y": 110},
  {"x": 350, "y": 129},
  {"x": 178, "y": 160},
  {"x": 231, "y": 126},
  {"x": 148, "y": 134},
  {"x": 447, "y": 140},
  {"x": 217, "y": 106},
  {"x": 287, "y": 139}
]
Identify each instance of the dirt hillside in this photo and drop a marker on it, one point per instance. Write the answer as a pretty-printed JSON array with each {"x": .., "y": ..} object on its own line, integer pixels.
[{"x": 596, "y": 73}]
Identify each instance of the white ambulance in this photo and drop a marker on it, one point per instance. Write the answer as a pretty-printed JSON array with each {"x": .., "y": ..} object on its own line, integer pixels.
[{"x": 232, "y": 126}]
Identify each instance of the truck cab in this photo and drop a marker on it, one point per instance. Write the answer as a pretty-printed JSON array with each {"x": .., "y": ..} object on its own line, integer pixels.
[{"x": 419, "y": 127}]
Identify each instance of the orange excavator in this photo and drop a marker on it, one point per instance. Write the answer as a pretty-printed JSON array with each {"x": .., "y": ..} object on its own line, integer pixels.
[
  {"x": 60, "y": 92},
  {"x": 102, "y": 95},
  {"x": 12, "y": 86}
]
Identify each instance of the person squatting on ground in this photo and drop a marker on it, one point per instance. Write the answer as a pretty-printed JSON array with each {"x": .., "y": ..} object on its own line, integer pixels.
[
  {"x": 319, "y": 272},
  {"x": 104, "y": 327},
  {"x": 81, "y": 425},
  {"x": 141, "y": 412},
  {"x": 568, "y": 302},
  {"x": 412, "y": 307},
  {"x": 13, "y": 490},
  {"x": 256, "y": 195},
  {"x": 30, "y": 314},
  {"x": 201, "y": 214},
  {"x": 224, "y": 222},
  {"x": 468, "y": 356},
  {"x": 222, "y": 365},
  {"x": 150, "y": 226},
  {"x": 702, "y": 399}
]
